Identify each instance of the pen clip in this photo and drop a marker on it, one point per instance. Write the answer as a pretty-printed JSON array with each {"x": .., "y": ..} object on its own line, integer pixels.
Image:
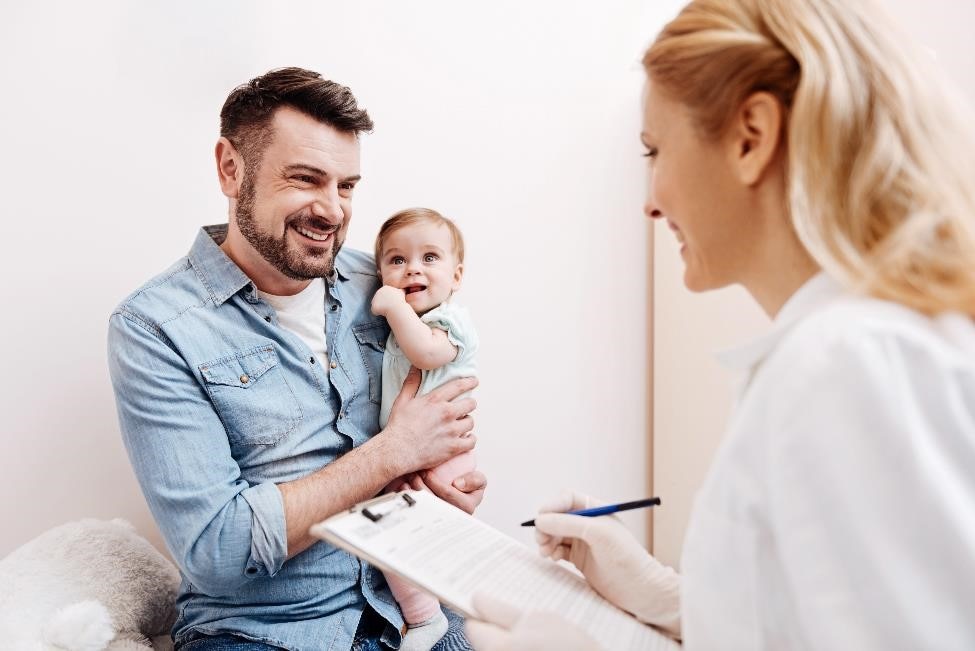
[{"x": 374, "y": 514}]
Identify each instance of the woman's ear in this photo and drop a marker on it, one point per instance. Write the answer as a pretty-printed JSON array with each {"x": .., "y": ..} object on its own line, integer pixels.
[
  {"x": 754, "y": 136},
  {"x": 230, "y": 168}
]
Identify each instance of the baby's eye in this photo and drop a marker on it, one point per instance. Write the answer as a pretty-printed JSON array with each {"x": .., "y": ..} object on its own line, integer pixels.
[
  {"x": 398, "y": 259},
  {"x": 431, "y": 257}
]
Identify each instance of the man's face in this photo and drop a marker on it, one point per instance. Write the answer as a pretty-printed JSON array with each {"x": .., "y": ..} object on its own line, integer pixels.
[{"x": 293, "y": 210}]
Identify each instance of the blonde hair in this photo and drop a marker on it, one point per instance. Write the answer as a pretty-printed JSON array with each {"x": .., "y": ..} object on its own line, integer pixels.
[
  {"x": 881, "y": 151},
  {"x": 414, "y": 216}
]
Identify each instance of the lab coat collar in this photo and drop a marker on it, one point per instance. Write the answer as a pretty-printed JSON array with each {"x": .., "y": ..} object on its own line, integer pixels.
[{"x": 816, "y": 292}]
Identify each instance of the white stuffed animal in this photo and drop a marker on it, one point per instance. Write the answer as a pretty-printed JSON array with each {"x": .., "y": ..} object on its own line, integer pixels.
[{"x": 91, "y": 585}]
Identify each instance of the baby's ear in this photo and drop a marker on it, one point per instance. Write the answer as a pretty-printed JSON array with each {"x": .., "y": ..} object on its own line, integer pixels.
[{"x": 458, "y": 275}]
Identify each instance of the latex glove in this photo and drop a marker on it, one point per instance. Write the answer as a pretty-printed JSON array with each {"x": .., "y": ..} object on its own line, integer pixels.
[
  {"x": 613, "y": 562},
  {"x": 506, "y": 629}
]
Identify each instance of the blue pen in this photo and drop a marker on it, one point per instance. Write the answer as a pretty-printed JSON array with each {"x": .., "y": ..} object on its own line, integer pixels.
[{"x": 606, "y": 510}]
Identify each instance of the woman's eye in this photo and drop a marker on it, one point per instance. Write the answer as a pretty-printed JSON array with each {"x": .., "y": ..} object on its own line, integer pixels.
[
  {"x": 651, "y": 152},
  {"x": 430, "y": 257}
]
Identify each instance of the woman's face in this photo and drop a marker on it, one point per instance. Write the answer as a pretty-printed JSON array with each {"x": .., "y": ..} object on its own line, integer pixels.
[{"x": 693, "y": 188}]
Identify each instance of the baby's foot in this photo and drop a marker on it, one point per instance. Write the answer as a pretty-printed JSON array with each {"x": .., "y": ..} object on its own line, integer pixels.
[{"x": 423, "y": 636}]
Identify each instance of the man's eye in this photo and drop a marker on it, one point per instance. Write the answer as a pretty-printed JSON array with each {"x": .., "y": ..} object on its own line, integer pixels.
[
  {"x": 431, "y": 257},
  {"x": 304, "y": 178}
]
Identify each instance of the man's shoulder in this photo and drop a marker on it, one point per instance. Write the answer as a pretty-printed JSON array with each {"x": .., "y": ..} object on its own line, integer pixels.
[
  {"x": 165, "y": 295},
  {"x": 358, "y": 268},
  {"x": 355, "y": 262}
]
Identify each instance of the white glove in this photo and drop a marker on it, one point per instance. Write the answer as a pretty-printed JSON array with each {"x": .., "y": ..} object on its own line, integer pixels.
[
  {"x": 506, "y": 629},
  {"x": 613, "y": 562}
]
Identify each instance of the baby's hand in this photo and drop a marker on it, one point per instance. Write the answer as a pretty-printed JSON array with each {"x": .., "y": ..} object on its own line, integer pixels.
[{"x": 385, "y": 298}]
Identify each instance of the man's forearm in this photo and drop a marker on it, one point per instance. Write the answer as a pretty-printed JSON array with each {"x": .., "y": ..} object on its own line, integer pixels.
[{"x": 356, "y": 476}]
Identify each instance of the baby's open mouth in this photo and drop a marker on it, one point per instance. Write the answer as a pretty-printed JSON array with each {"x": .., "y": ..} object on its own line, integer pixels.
[{"x": 414, "y": 288}]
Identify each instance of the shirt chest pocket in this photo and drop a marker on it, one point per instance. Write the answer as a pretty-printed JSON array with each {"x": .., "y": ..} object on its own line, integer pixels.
[
  {"x": 252, "y": 396},
  {"x": 371, "y": 340}
]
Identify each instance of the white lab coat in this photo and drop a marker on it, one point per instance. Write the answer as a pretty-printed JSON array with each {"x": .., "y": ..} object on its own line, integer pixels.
[{"x": 839, "y": 511}]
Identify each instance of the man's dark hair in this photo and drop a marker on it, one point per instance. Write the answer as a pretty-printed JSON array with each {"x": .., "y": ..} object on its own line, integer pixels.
[{"x": 245, "y": 119}]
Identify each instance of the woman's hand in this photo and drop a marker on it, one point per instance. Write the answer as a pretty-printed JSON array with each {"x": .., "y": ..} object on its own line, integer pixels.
[
  {"x": 613, "y": 562},
  {"x": 506, "y": 629}
]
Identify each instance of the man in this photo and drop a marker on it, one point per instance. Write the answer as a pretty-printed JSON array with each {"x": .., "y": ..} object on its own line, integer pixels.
[{"x": 247, "y": 379}]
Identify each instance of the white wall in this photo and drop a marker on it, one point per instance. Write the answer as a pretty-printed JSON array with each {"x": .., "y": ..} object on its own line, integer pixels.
[
  {"x": 692, "y": 393},
  {"x": 519, "y": 119}
]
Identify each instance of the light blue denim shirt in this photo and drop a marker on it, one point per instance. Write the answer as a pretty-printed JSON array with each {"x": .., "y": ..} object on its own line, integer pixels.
[{"x": 218, "y": 404}]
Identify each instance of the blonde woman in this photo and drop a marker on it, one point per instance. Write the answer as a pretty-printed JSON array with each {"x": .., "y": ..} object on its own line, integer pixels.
[{"x": 806, "y": 150}]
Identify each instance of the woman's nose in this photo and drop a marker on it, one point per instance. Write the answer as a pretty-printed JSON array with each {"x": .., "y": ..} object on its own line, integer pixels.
[{"x": 650, "y": 211}]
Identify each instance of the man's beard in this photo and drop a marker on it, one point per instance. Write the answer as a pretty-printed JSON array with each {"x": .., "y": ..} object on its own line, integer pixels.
[{"x": 291, "y": 261}]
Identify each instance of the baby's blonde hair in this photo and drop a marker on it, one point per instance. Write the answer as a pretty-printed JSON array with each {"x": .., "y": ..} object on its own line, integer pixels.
[
  {"x": 414, "y": 216},
  {"x": 881, "y": 149}
]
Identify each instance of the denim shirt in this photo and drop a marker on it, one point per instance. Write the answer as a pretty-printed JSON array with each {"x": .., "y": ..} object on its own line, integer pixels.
[{"x": 217, "y": 404}]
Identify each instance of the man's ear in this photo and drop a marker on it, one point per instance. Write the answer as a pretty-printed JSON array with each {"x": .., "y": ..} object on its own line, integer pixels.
[
  {"x": 755, "y": 135},
  {"x": 458, "y": 275},
  {"x": 230, "y": 168}
]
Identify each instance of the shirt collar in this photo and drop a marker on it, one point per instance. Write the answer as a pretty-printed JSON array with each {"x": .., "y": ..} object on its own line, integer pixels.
[
  {"x": 816, "y": 292},
  {"x": 220, "y": 275}
]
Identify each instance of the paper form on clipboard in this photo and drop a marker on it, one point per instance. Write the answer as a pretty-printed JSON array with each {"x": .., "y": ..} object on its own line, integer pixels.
[{"x": 453, "y": 555}]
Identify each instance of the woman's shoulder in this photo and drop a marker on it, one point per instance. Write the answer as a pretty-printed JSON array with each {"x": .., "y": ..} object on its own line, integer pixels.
[{"x": 861, "y": 325}]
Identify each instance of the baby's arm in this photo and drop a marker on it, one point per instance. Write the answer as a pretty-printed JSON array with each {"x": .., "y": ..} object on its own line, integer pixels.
[{"x": 427, "y": 348}]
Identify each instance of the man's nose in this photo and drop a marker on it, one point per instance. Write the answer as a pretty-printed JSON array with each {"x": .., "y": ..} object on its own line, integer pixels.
[{"x": 329, "y": 205}]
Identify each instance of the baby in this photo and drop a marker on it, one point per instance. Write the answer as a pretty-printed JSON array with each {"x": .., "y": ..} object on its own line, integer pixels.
[{"x": 420, "y": 256}]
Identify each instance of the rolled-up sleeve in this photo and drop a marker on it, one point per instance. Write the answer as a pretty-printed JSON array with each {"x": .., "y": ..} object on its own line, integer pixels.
[{"x": 221, "y": 530}]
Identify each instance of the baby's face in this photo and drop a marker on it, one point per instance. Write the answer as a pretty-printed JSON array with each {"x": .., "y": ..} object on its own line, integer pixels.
[{"x": 419, "y": 259}]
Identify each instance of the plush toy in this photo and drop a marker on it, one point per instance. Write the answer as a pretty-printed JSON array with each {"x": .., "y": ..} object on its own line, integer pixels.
[{"x": 90, "y": 585}]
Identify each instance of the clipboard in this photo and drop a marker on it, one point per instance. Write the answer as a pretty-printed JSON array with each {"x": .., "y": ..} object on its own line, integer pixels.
[{"x": 453, "y": 555}]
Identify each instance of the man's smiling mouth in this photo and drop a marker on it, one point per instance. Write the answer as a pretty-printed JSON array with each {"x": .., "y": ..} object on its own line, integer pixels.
[{"x": 313, "y": 235}]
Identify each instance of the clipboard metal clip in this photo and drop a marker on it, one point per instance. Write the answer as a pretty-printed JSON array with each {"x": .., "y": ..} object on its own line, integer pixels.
[{"x": 375, "y": 514}]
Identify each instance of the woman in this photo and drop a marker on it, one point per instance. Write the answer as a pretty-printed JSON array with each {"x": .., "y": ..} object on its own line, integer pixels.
[{"x": 804, "y": 149}]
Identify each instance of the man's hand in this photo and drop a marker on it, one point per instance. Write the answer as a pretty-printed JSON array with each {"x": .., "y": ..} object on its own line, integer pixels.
[
  {"x": 424, "y": 431},
  {"x": 466, "y": 491},
  {"x": 385, "y": 298},
  {"x": 506, "y": 629}
]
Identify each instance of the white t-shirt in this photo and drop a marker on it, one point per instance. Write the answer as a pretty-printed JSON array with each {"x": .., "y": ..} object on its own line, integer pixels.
[
  {"x": 304, "y": 315},
  {"x": 839, "y": 510}
]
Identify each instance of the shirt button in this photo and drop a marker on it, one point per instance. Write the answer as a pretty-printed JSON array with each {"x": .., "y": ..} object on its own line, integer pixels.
[
  {"x": 334, "y": 307},
  {"x": 244, "y": 379},
  {"x": 334, "y": 364},
  {"x": 268, "y": 319},
  {"x": 311, "y": 359}
]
